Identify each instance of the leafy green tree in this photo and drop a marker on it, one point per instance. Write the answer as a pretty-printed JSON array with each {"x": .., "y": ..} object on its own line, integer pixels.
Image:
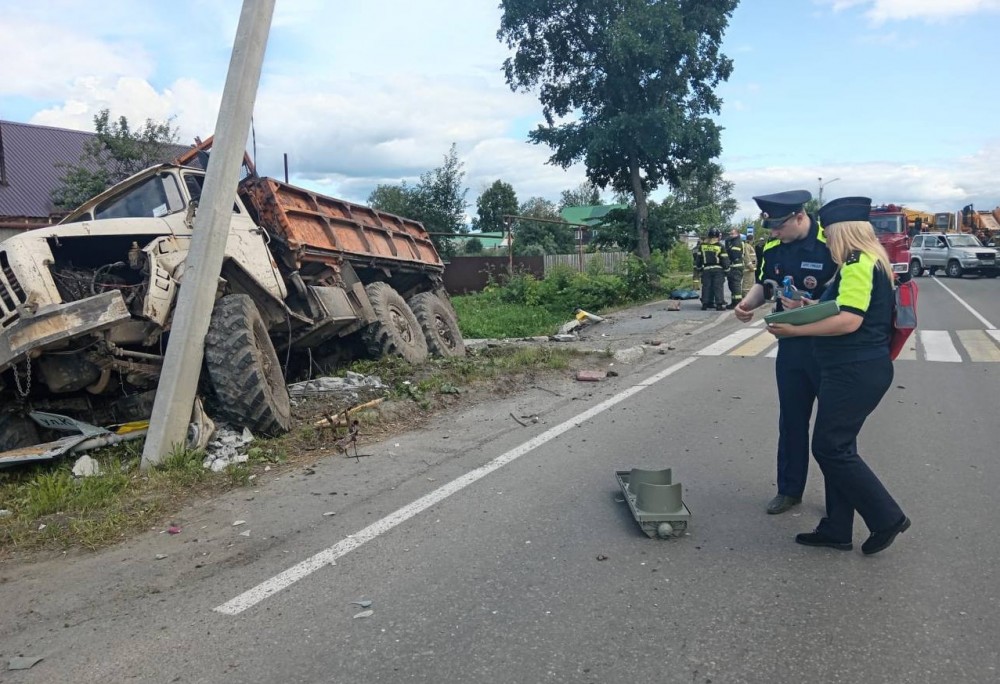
[
  {"x": 395, "y": 199},
  {"x": 707, "y": 198},
  {"x": 112, "y": 155},
  {"x": 534, "y": 237},
  {"x": 492, "y": 205},
  {"x": 437, "y": 201},
  {"x": 473, "y": 246},
  {"x": 638, "y": 76},
  {"x": 584, "y": 195}
]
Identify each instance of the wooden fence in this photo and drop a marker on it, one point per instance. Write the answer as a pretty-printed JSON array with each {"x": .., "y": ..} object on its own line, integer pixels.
[{"x": 609, "y": 260}]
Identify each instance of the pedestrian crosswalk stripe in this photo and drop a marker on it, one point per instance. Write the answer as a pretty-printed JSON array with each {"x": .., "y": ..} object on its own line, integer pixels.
[
  {"x": 756, "y": 345},
  {"x": 937, "y": 346},
  {"x": 728, "y": 342},
  {"x": 979, "y": 345}
]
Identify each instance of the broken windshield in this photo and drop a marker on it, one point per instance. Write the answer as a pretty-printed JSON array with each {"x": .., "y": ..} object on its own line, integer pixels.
[{"x": 154, "y": 197}]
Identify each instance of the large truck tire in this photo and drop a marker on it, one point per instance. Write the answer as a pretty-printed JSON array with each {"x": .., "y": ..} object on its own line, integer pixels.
[
  {"x": 244, "y": 370},
  {"x": 439, "y": 324},
  {"x": 396, "y": 332},
  {"x": 17, "y": 431}
]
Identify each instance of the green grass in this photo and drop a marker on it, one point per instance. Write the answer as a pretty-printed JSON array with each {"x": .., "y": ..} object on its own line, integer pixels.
[
  {"x": 478, "y": 317},
  {"x": 51, "y": 509}
]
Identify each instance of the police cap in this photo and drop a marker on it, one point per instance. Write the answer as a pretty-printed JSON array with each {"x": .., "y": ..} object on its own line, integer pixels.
[
  {"x": 845, "y": 209},
  {"x": 777, "y": 208}
]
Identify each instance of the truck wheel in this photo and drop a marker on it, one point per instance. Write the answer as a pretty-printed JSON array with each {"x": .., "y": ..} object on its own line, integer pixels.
[
  {"x": 916, "y": 269},
  {"x": 244, "y": 370},
  {"x": 954, "y": 269},
  {"x": 396, "y": 332},
  {"x": 439, "y": 324},
  {"x": 17, "y": 431}
]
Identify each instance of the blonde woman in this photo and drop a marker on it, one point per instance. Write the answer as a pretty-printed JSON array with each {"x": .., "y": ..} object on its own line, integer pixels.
[{"x": 855, "y": 372}]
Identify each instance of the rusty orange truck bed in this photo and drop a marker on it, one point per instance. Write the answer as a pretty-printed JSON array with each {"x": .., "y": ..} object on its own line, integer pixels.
[{"x": 317, "y": 228}]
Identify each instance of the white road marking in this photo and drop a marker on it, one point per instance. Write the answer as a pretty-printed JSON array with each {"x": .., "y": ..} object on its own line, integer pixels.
[
  {"x": 979, "y": 345},
  {"x": 728, "y": 342},
  {"x": 755, "y": 346},
  {"x": 937, "y": 346},
  {"x": 963, "y": 303},
  {"x": 995, "y": 334},
  {"x": 253, "y": 596}
]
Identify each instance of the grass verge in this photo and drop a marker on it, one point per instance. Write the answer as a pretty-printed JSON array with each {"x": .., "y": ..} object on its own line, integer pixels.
[{"x": 49, "y": 509}]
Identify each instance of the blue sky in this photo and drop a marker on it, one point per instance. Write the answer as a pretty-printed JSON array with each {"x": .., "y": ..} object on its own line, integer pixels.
[{"x": 895, "y": 98}]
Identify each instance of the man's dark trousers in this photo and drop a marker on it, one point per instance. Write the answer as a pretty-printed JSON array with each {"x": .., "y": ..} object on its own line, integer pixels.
[{"x": 797, "y": 373}]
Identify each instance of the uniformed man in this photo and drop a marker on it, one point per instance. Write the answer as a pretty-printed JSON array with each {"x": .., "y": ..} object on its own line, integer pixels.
[
  {"x": 749, "y": 266},
  {"x": 797, "y": 248},
  {"x": 735, "y": 248},
  {"x": 712, "y": 263}
]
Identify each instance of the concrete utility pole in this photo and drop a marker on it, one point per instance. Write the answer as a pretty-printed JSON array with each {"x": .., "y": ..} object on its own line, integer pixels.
[{"x": 182, "y": 366}]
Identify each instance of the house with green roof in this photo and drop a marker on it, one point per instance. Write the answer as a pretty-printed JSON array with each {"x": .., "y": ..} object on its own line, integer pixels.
[{"x": 588, "y": 216}]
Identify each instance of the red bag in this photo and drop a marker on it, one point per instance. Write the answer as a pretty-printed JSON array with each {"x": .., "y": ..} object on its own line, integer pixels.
[{"x": 904, "y": 317}]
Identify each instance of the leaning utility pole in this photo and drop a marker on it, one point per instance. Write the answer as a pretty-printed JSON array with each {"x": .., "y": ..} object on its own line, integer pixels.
[{"x": 178, "y": 385}]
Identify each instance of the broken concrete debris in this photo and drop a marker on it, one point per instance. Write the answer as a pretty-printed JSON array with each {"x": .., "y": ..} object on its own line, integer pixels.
[
  {"x": 228, "y": 446},
  {"x": 347, "y": 388},
  {"x": 590, "y": 375},
  {"x": 85, "y": 466}
]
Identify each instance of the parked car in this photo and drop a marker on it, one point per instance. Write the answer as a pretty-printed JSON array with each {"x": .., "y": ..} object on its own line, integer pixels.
[{"x": 958, "y": 254}]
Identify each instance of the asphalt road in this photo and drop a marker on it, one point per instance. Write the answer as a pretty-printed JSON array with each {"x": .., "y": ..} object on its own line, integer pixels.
[{"x": 494, "y": 552}]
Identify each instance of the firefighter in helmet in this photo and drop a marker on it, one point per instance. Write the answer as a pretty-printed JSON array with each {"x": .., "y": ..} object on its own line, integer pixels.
[
  {"x": 712, "y": 262},
  {"x": 735, "y": 248}
]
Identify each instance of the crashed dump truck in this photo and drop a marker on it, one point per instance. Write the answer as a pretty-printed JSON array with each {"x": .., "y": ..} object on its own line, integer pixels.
[{"x": 86, "y": 306}]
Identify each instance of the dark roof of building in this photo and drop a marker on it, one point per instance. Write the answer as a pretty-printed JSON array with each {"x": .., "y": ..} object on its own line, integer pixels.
[
  {"x": 34, "y": 160},
  {"x": 31, "y": 159}
]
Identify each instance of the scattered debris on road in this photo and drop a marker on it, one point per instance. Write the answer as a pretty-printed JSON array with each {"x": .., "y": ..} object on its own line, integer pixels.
[
  {"x": 591, "y": 375},
  {"x": 364, "y": 603},
  {"x": 364, "y": 614},
  {"x": 347, "y": 388},
  {"x": 22, "y": 663}
]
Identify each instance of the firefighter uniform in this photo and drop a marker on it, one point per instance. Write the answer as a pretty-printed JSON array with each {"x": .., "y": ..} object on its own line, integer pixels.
[
  {"x": 749, "y": 266},
  {"x": 855, "y": 373},
  {"x": 811, "y": 267},
  {"x": 735, "y": 248},
  {"x": 712, "y": 263}
]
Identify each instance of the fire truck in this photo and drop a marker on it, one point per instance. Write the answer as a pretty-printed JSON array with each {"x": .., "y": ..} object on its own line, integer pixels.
[{"x": 892, "y": 228}]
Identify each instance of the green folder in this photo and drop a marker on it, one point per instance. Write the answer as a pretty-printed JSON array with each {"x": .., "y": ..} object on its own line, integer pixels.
[{"x": 805, "y": 314}]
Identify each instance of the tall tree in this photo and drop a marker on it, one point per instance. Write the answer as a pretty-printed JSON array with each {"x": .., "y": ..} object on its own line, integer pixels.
[
  {"x": 586, "y": 194},
  {"x": 437, "y": 201},
  {"x": 395, "y": 199},
  {"x": 639, "y": 76},
  {"x": 112, "y": 155},
  {"x": 492, "y": 205}
]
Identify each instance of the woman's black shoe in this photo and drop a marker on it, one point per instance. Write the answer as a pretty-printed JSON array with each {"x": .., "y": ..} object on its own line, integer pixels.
[
  {"x": 881, "y": 540},
  {"x": 820, "y": 539}
]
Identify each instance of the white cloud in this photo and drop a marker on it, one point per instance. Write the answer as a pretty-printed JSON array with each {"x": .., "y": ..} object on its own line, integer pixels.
[
  {"x": 943, "y": 185},
  {"x": 880, "y": 11},
  {"x": 192, "y": 108},
  {"x": 41, "y": 59}
]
